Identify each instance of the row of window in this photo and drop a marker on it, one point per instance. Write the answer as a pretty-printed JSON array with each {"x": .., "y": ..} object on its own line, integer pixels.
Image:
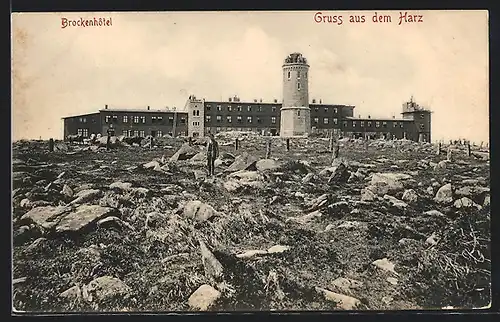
[
  {"x": 141, "y": 133},
  {"x": 83, "y": 132},
  {"x": 240, "y": 108},
  {"x": 361, "y": 123},
  {"x": 239, "y": 119},
  {"x": 228, "y": 129},
  {"x": 298, "y": 75},
  {"x": 140, "y": 119}
]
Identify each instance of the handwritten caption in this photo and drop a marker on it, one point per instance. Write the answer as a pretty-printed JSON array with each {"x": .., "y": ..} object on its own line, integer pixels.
[
  {"x": 403, "y": 17},
  {"x": 94, "y": 22}
]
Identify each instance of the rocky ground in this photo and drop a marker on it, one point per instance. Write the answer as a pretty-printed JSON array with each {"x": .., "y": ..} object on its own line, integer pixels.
[{"x": 387, "y": 225}]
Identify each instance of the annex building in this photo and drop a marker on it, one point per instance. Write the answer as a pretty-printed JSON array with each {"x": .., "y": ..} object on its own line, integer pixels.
[{"x": 294, "y": 116}]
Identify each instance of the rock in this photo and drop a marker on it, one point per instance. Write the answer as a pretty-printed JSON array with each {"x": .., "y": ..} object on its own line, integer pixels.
[
  {"x": 243, "y": 161},
  {"x": 319, "y": 202},
  {"x": 392, "y": 280},
  {"x": 246, "y": 175},
  {"x": 444, "y": 195},
  {"x": 36, "y": 244},
  {"x": 441, "y": 165},
  {"x": 185, "y": 152},
  {"x": 343, "y": 301},
  {"x": 339, "y": 174},
  {"x": 395, "y": 202},
  {"x": 72, "y": 293},
  {"x": 266, "y": 164},
  {"x": 486, "y": 202},
  {"x": 345, "y": 285},
  {"x": 349, "y": 224},
  {"x": 385, "y": 183},
  {"x": 86, "y": 195},
  {"x": 385, "y": 265},
  {"x": 213, "y": 268},
  {"x": 305, "y": 218},
  {"x": 155, "y": 165},
  {"x": 107, "y": 287},
  {"x": 204, "y": 298},
  {"x": 198, "y": 211},
  {"x": 410, "y": 196},
  {"x": 465, "y": 202},
  {"x": 232, "y": 185},
  {"x": 200, "y": 156},
  {"x": 432, "y": 240},
  {"x": 367, "y": 195},
  {"x": 67, "y": 191},
  {"x": 251, "y": 253},
  {"x": 430, "y": 190},
  {"x": 46, "y": 216},
  {"x": 434, "y": 213},
  {"x": 113, "y": 220},
  {"x": 82, "y": 217},
  {"x": 124, "y": 186},
  {"x": 199, "y": 174},
  {"x": 278, "y": 249},
  {"x": 24, "y": 203},
  {"x": 308, "y": 178}
]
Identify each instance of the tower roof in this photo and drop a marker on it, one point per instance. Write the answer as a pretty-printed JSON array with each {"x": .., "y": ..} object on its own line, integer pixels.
[{"x": 295, "y": 58}]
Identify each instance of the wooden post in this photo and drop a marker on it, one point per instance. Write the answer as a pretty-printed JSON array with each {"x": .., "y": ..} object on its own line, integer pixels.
[
  {"x": 268, "y": 149},
  {"x": 331, "y": 144},
  {"x": 335, "y": 150},
  {"x": 438, "y": 151},
  {"x": 190, "y": 142},
  {"x": 468, "y": 148},
  {"x": 481, "y": 145},
  {"x": 51, "y": 145},
  {"x": 288, "y": 144},
  {"x": 236, "y": 144},
  {"x": 449, "y": 156}
]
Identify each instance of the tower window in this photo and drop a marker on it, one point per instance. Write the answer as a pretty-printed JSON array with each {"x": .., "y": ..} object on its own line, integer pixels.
[
  {"x": 273, "y": 109},
  {"x": 273, "y": 119},
  {"x": 316, "y": 120},
  {"x": 298, "y": 113},
  {"x": 288, "y": 75},
  {"x": 298, "y": 86},
  {"x": 325, "y": 120},
  {"x": 298, "y": 75}
]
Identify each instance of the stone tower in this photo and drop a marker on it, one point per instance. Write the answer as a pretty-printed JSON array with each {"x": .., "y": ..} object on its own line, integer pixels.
[{"x": 295, "y": 112}]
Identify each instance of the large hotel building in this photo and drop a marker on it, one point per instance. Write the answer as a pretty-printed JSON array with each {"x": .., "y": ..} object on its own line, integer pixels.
[{"x": 295, "y": 116}]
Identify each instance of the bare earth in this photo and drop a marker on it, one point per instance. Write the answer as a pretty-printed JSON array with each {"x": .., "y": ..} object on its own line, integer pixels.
[{"x": 261, "y": 238}]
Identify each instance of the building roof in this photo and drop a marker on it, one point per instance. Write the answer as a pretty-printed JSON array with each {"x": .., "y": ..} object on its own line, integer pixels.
[
  {"x": 79, "y": 115},
  {"x": 137, "y": 110}
]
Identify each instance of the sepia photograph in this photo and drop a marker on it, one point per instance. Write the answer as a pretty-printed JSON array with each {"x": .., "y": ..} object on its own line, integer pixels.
[{"x": 250, "y": 161}]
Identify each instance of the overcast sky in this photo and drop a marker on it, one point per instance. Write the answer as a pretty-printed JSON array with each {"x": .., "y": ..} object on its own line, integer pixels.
[{"x": 158, "y": 59}]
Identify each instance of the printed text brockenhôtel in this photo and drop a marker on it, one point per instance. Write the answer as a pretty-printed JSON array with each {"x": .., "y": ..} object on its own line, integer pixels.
[{"x": 95, "y": 22}]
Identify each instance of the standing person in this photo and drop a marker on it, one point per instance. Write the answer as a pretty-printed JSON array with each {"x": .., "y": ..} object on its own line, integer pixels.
[
  {"x": 212, "y": 154},
  {"x": 109, "y": 132}
]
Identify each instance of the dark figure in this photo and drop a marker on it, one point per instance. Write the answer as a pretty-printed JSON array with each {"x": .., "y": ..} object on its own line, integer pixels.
[
  {"x": 108, "y": 140},
  {"x": 212, "y": 154},
  {"x": 51, "y": 145}
]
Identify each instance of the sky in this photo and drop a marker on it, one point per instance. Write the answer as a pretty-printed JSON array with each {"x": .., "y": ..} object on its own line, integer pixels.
[{"x": 158, "y": 59}]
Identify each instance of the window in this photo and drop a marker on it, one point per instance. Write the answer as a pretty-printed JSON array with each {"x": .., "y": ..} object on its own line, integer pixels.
[
  {"x": 85, "y": 133},
  {"x": 369, "y": 124},
  {"x": 171, "y": 119},
  {"x": 326, "y": 109},
  {"x": 229, "y": 108},
  {"x": 143, "y": 119},
  {"x": 377, "y": 124},
  {"x": 362, "y": 123},
  {"x": 395, "y": 124},
  {"x": 219, "y": 118},
  {"x": 159, "y": 133},
  {"x": 335, "y": 121},
  {"x": 217, "y": 129},
  {"x": 421, "y": 126},
  {"x": 259, "y": 120},
  {"x": 115, "y": 119},
  {"x": 384, "y": 124},
  {"x": 298, "y": 113},
  {"x": 194, "y": 113},
  {"x": 79, "y": 132},
  {"x": 335, "y": 110},
  {"x": 344, "y": 124},
  {"x": 125, "y": 133},
  {"x": 249, "y": 108},
  {"x": 305, "y": 74},
  {"x": 159, "y": 119},
  {"x": 142, "y": 134},
  {"x": 209, "y": 107},
  {"x": 136, "y": 119},
  {"x": 298, "y": 75},
  {"x": 316, "y": 109},
  {"x": 218, "y": 108},
  {"x": 400, "y": 124},
  {"x": 239, "y": 108},
  {"x": 249, "y": 119},
  {"x": 207, "y": 118},
  {"x": 84, "y": 120},
  {"x": 183, "y": 120},
  {"x": 421, "y": 116},
  {"x": 106, "y": 119},
  {"x": 325, "y": 120},
  {"x": 125, "y": 119},
  {"x": 288, "y": 75},
  {"x": 136, "y": 133},
  {"x": 260, "y": 108},
  {"x": 238, "y": 118},
  {"x": 273, "y": 109},
  {"x": 316, "y": 120},
  {"x": 229, "y": 119},
  {"x": 298, "y": 86},
  {"x": 273, "y": 119},
  {"x": 353, "y": 123}
]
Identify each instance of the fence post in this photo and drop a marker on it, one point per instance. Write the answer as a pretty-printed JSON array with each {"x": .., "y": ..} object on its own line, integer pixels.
[
  {"x": 449, "y": 155},
  {"x": 268, "y": 149},
  {"x": 468, "y": 148},
  {"x": 438, "y": 151},
  {"x": 236, "y": 142},
  {"x": 335, "y": 151},
  {"x": 288, "y": 144},
  {"x": 331, "y": 144}
]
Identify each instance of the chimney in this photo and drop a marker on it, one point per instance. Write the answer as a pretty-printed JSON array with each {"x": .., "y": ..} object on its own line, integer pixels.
[
  {"x": 369, "y": 116},
  {"x": 275, "y": 101},
  {"x": 320, "y": 100},
  {"x": 106, "y": 106},
  {"x": 394, "y": 116},
  {"x": 230, "y": 99},
  {"x": 255, "y": 100},
  {"x": 261, "y": 100},
  {"x": 148, "y": 107},
  {"x": 314, "y": 100}
]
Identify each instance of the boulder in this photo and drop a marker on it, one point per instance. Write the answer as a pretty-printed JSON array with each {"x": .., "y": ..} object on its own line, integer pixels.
[{"x": 82, "y": 217}]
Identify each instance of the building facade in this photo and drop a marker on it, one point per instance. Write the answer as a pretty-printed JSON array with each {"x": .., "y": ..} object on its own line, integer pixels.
[{"x": 294, "y": 116}]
